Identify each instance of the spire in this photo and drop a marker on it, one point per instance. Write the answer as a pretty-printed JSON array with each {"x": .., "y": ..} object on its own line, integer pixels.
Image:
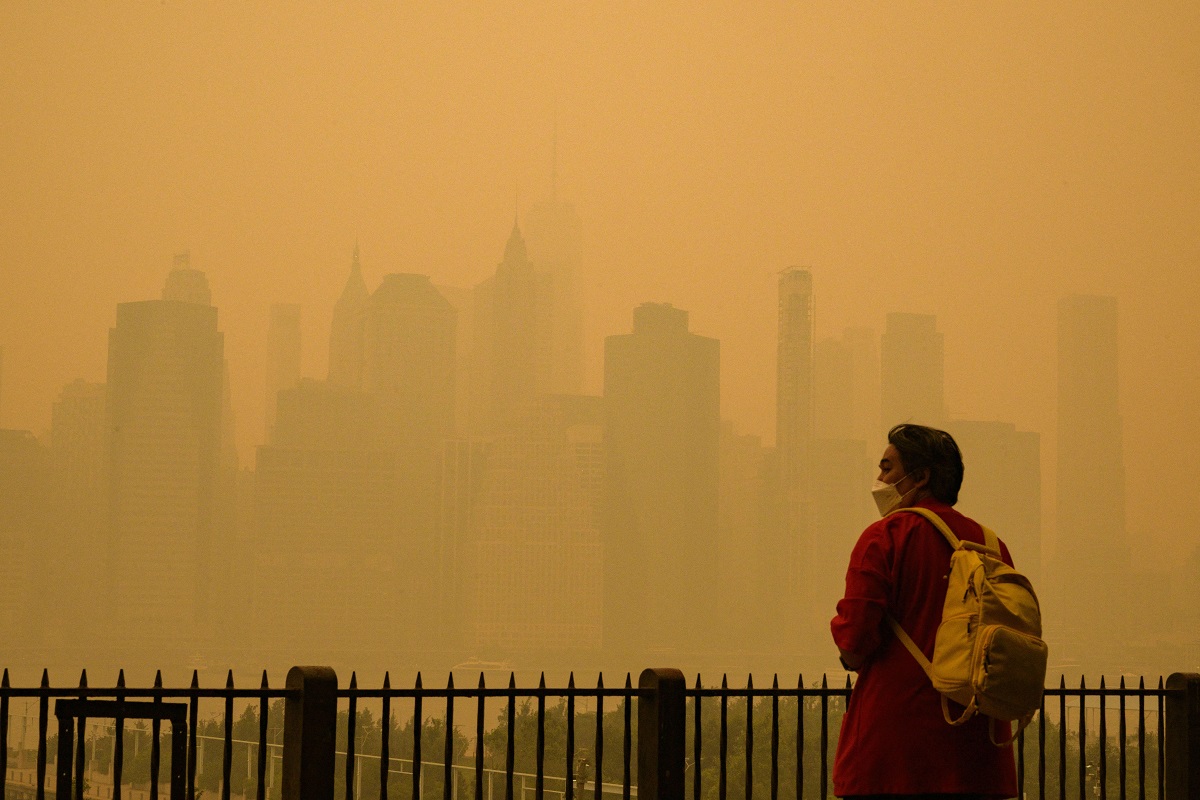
[
  {"x": 355, "y": 292},
  {"x": 514, "y": 251}
]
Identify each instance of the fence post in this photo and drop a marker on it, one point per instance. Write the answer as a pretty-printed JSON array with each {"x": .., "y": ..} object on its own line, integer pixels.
[
  {"x": 309, "y": 733},
  {"x": 1182, "y": 735},
  {"x": 662, "y": 714}
]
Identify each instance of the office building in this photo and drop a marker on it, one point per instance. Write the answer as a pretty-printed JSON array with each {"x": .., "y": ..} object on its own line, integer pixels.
[
  {"x": 1002, "y": 486},
  {"x": 912, "y": 371},
  {"x": 283, "y": 355},
  {"x": 513, "y": 324},
  {"x": 536, "y": 561},
  {"x": 347, "y": 348},
  {"x": 1091, "y": 549},
  {"x": 662, "y": 451},
  {"x": 164, "y": 444}
]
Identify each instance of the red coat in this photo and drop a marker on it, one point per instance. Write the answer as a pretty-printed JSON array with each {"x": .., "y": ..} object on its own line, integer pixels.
[{"x": 894, "y": 739}]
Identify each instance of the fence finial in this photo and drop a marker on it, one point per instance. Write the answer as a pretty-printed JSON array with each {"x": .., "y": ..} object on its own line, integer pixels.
[
  {"x": 450, "y": 681},
  {"x": 195, "y": 679},
  {"x": 265, "y": 685},
  {"x": 481, "y": 684},
  {"x": 83, "y": 679},
  {"x": 229, "y": 680},
  {"x": 387, "y": 680},
  {"x": 45, "y": 678},
  {"x": 158, "y": 679},
  {"x": 4, "y": 681},
  {"x": 353, "y": 680},
  {"x": 121, "y": 679}
]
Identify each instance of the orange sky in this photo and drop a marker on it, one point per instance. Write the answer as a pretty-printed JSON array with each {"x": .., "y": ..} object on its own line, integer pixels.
[{"x": 975, "y": 161}]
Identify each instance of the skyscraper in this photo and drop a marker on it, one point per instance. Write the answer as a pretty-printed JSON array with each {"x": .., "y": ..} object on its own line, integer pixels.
[
  {"x": 165, "y": 383},
  {"x": 785, "y": 555},
  {"x": 346, "y": 335},
  {"x": 1002, "y": 486},
  {"x": 327, "y": 512},
  {"x": 512, "y": 349},
  {"x": 536, "y": 558},
  {"x": 283, "y": 354},
  {"x": 553, "y": 232},
  {"x": 409, "y": 371},
  {"x": 911, "y": 367},
  {"x": 410, "y": 360},
  {"x": 26, "y": 500},
  {"x": 794, "y": 373},
  {"x": 662, "y": 449},
  {"x": 78, "y": 517},
  {"x": 1091, "y": 549}
]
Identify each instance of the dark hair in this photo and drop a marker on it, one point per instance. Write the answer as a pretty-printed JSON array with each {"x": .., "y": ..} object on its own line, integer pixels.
[{"x": 929, "y": 448}]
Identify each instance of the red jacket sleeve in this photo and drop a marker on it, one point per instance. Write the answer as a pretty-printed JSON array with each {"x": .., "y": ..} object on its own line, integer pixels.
[{"x": 857, "y": 628}]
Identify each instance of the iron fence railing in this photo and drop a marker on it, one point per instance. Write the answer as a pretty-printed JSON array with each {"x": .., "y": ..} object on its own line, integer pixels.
[
  {"x": 574, "y": 742},
  {"x": 112, "y": 735}
]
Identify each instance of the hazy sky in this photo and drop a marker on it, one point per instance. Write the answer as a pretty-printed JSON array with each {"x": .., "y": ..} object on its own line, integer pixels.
[{"x": 975, "y": 161}]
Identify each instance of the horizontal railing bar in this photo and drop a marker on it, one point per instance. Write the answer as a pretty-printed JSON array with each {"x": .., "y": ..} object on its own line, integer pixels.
[
  {"x": 283, "y": 694},
  {"x": 488, "y": 692},
  {"x": 731, "y": 692},
  {"x": 76, "y": 692},
  {"x": 1060, "y": 692},
  {"x": 111, "y": 709}
]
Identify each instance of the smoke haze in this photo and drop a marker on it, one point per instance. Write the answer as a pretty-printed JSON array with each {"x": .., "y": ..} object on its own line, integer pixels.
[{"x": 973, "y": 162}]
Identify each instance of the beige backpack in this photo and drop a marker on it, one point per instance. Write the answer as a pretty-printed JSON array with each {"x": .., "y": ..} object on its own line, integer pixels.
[{"x": 988, "y": 655}]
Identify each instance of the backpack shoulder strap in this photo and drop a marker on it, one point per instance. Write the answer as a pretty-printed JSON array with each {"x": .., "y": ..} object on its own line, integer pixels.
[
  {"x": 991, "y": 539},
  {"x": 910, "y": 645},
  {"x": 938, "y": 523}
]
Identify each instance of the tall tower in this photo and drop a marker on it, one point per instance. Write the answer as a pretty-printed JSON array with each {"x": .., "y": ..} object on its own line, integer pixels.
[
  {"x": 165, "y": 381},
  {"x": 283, "y": 355},
  {"x": 554, "y": 234},
  {"x": 1092, "y": 552},
  {"x": 794, "y": 373},
  {"x": 662, "y": 400},
  {"x": 410, "y": 351},
  {"x": 911, "y": 367},
  {"x": 785, "y": 556},
  {"x": 349, "y": 327},
  {"x": 513, "y": 324}
]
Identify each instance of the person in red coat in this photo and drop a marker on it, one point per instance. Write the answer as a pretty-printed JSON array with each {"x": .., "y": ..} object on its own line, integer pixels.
[{"x": 894, "y": 739}]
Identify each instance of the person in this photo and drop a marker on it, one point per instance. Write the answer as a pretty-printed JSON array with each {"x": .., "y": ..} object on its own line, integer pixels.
[{"x": 894, "y": 740}]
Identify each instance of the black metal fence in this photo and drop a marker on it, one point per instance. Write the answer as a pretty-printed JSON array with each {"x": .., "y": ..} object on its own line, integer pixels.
[{"x": 313, "y": 741}]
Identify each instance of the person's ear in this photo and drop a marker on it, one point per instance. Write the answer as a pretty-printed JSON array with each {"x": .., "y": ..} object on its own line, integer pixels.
[{"x": 922, "y": 477}]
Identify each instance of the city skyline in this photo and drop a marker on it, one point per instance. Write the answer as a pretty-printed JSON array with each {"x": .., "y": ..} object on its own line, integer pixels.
[
  {"x": 946, "y": 178},
  {"x": 350, "y": 474},
  {"x": 976, "y": 165}
]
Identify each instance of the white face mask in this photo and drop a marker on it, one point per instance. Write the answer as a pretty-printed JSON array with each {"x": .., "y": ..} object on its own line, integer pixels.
[{"x": 887, "y": 496}]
